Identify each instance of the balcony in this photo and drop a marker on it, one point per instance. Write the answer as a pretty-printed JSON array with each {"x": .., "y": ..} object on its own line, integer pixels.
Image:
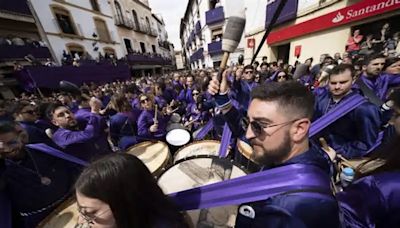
[
  {"x": 124, "y": 22},
  {"x": 15, "y": 6},
  {"x": 13, "y": 52},
  {"x": 143, "y": 28},
  {"x": 214, "y": 16},
  {"x": 197, "y": 55},
  {"x": 215, "y": 48},
  {"x": 141, "y": 59}
]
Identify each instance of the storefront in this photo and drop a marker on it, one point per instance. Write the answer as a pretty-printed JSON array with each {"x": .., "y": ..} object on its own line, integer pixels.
[{"x": 328, "y": 32}]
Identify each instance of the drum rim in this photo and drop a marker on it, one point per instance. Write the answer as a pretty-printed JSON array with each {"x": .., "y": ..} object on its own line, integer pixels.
[
  {"x": 238, "y": 142},
  {"x": 62, "y": 206},
  {"x": 147, "y": 141},
  {"x": 190, "y": 136},
  {"x": 203, "y": 156},
  {"x": 192, "y": 143}
]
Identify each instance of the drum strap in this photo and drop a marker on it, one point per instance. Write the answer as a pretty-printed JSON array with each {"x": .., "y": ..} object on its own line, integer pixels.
[
  {"x": 204, "y": 131},
  {"x": 56, "y": 153},
  {"x": 255, "y": 187},
  {"x": 337, "y": 112}
]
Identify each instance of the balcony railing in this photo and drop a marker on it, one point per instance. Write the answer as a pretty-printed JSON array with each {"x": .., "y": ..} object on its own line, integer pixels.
[
  {"x": 142, "y": 59},
  {"x": 143, "y": 28},
  {"x": 215, "y": 48},
  {"x": 197, "y": 55},
  {"x": 214, "y": 16},
  {"x": 11, "y": 52},
  {"x": 124, "y": 22}
]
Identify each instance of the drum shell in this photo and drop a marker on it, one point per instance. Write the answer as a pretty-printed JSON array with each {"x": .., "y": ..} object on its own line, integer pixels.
[
  {"x": 243, "y": 156},
  {"x": 204, "y": 147}
]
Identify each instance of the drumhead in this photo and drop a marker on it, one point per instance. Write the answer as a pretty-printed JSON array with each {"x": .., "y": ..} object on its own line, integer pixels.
[
  {"x": 65, "y": 216},
  {"x": 178, "y": 137},
  {"x": 155, "y": 155},
  {"x": 204, "y": 147}
]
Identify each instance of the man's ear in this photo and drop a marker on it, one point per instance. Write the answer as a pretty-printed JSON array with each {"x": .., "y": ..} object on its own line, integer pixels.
[{"x": 300, "y": 129}]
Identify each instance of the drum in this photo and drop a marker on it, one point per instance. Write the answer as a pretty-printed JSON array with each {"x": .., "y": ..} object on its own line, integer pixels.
[
  {"x": 244, "y": 156},
  {"x": 175, "y": 118},
  {"x": 65, "y": 216},
  {"x": 203, "y": 170},
  {"x": 155, "y": 155},
  {"x": 178, "y": 137},
  {"x": 204, "y": 147}
]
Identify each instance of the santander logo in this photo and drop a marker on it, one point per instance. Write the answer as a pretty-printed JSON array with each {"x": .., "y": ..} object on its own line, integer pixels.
[{"x": 338, "y": 18}]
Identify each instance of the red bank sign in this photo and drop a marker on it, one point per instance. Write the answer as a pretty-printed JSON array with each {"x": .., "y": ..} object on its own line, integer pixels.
[{"x": 355, "y": 12}]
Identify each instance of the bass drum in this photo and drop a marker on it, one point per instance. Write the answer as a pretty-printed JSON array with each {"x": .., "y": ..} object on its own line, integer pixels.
[
  {"x": 244, "y": 156},
  {"x": 204, "y": 147},
  {"x": 155, "y": 155},
  {"x": 65, "y": 216},
  {"x": 195, "y": 172}
]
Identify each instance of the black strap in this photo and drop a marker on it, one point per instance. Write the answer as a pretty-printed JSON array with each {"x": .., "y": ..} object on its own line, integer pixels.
[{"x": 369, "y": 93}]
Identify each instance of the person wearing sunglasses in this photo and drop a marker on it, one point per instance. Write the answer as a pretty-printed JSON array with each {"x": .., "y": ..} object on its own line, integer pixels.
[
  {"x": 354, "y": 134},
  {"x": 33, "y": 182},
  {"x": 243, "y": 84},
  {"x": 84, "y": 143},
  {"x": 119, "y": 191},
  {"x": 279, "y": 121}
]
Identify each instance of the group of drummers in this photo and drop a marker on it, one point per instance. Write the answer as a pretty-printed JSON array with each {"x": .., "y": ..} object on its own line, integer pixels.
[{"x": 66, "y": 158}]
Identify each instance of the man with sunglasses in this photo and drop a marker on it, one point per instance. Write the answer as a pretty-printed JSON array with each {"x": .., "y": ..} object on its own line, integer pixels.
[
  {"x": 243, "y": 84},
  {"x": 280, "y": 118},
  {"x": 33, "y": 182},
  {"x": 85, "y": 143}
]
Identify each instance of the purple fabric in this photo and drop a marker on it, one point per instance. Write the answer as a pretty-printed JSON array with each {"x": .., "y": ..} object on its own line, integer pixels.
[
  {"x": 253, "y": 187},
  {"x": 288, "y": 12},
  {"x": 49, "y": 77},
  {"x": 204, "y": 131},
  {"x": 372, "y": 201},
  {"x": 146, "y": 119},
  {"x": 9, "y": 52},
  {"x": 17, "y": 6},
  {"x": 5, "y": 211},
  {"x": 381, "y": 84},
  {"x": 226, "y": 137},
  {"x": 56, "y": 153},
  {"x": 339, "y": 111}
]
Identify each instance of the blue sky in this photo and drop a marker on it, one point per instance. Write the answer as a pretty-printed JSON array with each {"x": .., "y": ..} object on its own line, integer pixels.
[{"x": 172, "y": 11}]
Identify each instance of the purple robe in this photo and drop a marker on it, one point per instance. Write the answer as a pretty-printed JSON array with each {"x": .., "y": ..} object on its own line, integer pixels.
[
  {"x": 87, "y": 143},
  {"x": 372, "y": 201},
  {"x": 146, "y": 119},
  {"x": 381, "y": 84}
]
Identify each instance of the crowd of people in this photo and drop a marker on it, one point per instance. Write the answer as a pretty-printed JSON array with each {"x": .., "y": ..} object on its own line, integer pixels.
[{"x": 275, "y": 104}]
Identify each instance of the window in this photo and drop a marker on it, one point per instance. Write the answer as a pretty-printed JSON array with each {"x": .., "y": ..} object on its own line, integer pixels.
[
  {"x": 64, "y": 20},
  {"x": 75, "y": 49},
  {"x": 128, "y": 45},
  {"x": 216, "y": 35},
  {"x": 102, "y": 30},
  {"x": 118, "y": 10},
  {"x": 135, "y": 19},
  {"x": 143, "y": 47},
  {"x": 154, "y": 48},
  {"x": 148, "y": 24},
  {"x": 95, "y": 5},
  {"x": 109, "y": 51}
]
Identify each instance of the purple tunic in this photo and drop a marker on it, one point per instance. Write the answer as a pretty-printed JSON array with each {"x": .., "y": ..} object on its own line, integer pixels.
[{"x": 372, "y": 201}]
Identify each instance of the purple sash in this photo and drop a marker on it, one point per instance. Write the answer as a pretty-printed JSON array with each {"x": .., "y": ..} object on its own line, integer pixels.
[
  {"x": 56, "y": 153},
  {"x": 337, "y": 112},
  {"x": 255, "y": 187},
  {"x": 204, "y": 131},
  {"x": 225, "y": 140}
]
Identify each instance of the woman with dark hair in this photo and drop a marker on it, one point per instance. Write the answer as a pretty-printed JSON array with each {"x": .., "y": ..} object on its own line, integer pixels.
[
  {"x": 392, "y": 65},
  {"x": 373, "y": 200},
  {"x": 119, "y": 191}
]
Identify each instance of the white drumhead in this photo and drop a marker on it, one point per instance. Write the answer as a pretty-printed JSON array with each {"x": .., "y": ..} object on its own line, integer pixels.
[
  {"x": 178, "y": 137},
  {"x": 153, "y": 154},
  {"x": 205, "y": 147}
]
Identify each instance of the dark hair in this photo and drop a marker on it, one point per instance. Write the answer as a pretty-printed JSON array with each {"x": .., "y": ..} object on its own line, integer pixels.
[
  {"x": 21, "y": 105},
  {"x": 132, "y": 88},
  {"x": 160, "y": 85},
  {"x": 274, "y": 64},
  {"x": 248, "y": 67},
  {"x": 120, "y": 103},
  {"x": 256, "y": 63},
  {"x": 264, "y": 64},
  {"x": 373, "y": 57},
  {"x": 311, "y": 59},
  {"x": 290, "y": 95},
  {"x": 52, "y": 108},
  {"x": 7, "y": 127},
  {"x": 390, "y": 61},
  {"x": 127, "y": 186},
  {"x": 339, "y": 69}
]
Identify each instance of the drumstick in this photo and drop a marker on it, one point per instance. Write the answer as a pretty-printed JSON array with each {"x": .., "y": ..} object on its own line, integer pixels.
[
  {"x": 192, "y": 121},
  {"x": 324, "y": 144},
  {"x": 345, "y": 161},
  {"x": 155, "y": 114}
]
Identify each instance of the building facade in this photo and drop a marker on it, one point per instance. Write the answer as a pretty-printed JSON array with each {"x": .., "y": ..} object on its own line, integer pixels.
[
  {"x": 20, "y": 43},
  {"x": 180, "y": 60},
  {"x": 80, "y": 28},
  {"x": 309, "y": 28},
  {"x": 139, "y": 31},
  {"x": 201, "y": 32}
]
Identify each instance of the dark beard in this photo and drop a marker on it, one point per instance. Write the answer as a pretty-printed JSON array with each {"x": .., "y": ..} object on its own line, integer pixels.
[{"x": 276, "y": 156}]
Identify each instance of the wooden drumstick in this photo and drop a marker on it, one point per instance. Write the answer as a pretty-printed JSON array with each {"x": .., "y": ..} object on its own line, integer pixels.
[
  {"x": 155, "y": 114},
  {"x": 323, "y": 143},
  {"x": 345, "y": 161}
]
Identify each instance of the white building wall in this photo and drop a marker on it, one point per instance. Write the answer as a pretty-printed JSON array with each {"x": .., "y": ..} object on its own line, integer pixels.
[{"x": 84, "y": 22}]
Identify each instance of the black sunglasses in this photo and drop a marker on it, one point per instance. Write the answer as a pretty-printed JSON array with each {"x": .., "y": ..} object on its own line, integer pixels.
[
  {"x": 258, "y": 128},
  {"x": 144, "y": 100},
  {"x": 248, "y": 72}
]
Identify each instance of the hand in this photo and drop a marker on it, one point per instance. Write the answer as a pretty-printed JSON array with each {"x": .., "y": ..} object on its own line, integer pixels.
[
  {"x": 238, "y": 74},
  {"x": 95, "y": 105},
  {"x": 329, "y": 150},
  {"x": 214, "y": 86},
  {"x": 154, "y": 128}
]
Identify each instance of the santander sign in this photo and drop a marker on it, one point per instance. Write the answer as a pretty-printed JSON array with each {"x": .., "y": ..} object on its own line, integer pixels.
[{"x": 356, "y": 12}]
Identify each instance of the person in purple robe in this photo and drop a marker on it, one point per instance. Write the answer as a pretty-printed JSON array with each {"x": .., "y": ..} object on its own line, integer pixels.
[
  {"x": 159, "y": 89},
  {"x": 374, "y": 79},
  {"x": 373, "y": 199},
  {"x": 149, "y": 125},
  {"x": 84, "y": 143},
  {"x": 185, "y": 95},
  {"x": 354, "y": 134},
  {"x": 243, "y": 85}
]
